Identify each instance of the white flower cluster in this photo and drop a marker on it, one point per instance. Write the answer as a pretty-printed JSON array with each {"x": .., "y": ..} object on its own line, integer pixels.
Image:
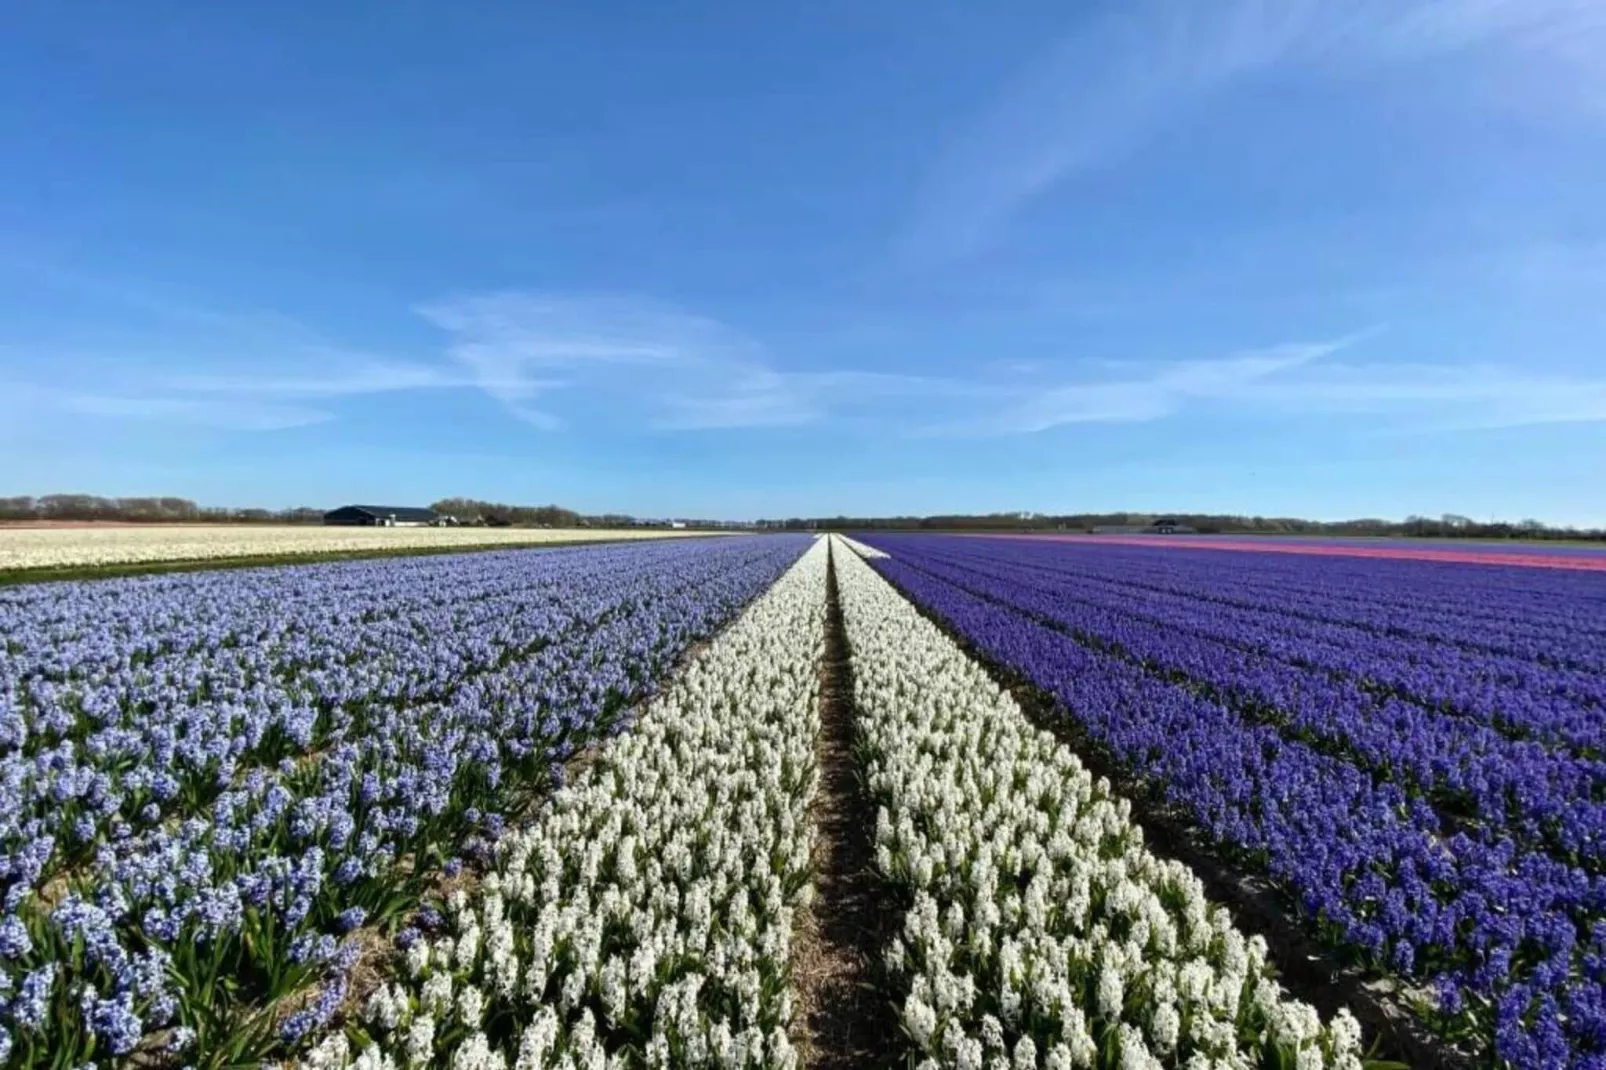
[
  {"x": 861, "y": 549},
  {"x": 1042, "y": 932},
  {"x": 71, "y": 547},
  {"x": 645, "y": 918}
]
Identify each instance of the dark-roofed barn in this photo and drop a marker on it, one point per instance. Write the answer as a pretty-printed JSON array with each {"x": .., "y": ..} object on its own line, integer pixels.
[{"x": 381, "y": 516}]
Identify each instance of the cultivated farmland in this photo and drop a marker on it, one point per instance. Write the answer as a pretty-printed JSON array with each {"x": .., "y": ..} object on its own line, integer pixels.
[
  {"x": 114, "y": 545},
  {"x": 1410, "y": 753},
  {"x": 1110, "y": 806},
  {"x": 210, "y": 779}
]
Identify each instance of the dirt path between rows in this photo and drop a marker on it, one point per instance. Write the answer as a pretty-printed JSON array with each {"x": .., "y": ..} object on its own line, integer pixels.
[{"x": 844, "y": 1020}]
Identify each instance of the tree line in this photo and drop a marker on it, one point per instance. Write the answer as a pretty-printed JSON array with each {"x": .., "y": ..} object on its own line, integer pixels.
[
  {"x": 81, "y": 507},
  {"x": 470, "y": 510},
  {"x": 1447, "y": 526},
  {"x": 473, "y": 511},
  {"x": 84, "y": 507},
  {"x": 91, "y": 507}
]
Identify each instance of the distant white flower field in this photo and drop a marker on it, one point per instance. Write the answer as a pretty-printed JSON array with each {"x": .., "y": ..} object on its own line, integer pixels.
[{"x": 75, "y": 547}]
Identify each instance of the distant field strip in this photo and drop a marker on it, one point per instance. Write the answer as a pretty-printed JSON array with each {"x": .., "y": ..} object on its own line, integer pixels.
[
  {"x": 64, "y": 548},
  {"x": 860, "y": 548},
  {"x": 1520, "y": 555}
]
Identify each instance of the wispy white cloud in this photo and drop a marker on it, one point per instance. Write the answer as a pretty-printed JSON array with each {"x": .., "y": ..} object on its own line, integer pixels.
[
  {"x": 521, "y": 347},
  {"x": 239, "y": 402},
  {"x": 201, "y": 412},
  {"x": 751, "y": 398},
  {"x": 190, "y": 354},
  {"x": 1146, "y": 393},
  {"x": 1112, "y": 83},
  {"x": 647, "y": 365},
  {"x": 763, "y": 397},
  {"x": 340, "y": 378},
  {"x": 664, "y": 367},
  {"x": 1426, "y": 397},
  {"x": 1301, "y": 380},
  {"x": 1550, "y": 29},
  {"x": 142, "y": 300},
  {"x": 621, "y": 362}
]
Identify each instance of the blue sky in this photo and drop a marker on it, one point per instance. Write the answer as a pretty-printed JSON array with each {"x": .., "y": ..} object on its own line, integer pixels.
[{"x": 1315, "y": 257}]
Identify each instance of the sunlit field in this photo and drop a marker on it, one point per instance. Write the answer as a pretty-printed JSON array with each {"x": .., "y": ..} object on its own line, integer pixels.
[
  {"x": 89, "y": 547},
  {"x": 966, "y": 802}
]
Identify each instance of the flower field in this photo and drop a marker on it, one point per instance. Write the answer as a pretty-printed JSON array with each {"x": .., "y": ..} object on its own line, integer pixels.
[
  {"x": 1411, "y": 752},
  {"x": 1039, "y": 929},
  {"x": 115, "y": 545},
  {"x": 560, "y": 808},
  {"x": 1571, "y": 556},
  {"x": 648, "y": 909},
  {"x": 215, "y": 784}
]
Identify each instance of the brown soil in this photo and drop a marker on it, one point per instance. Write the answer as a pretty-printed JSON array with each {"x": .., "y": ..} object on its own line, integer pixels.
[
  {"x": 372, "y": 968},
  {"x": 844, "y": 1020}
]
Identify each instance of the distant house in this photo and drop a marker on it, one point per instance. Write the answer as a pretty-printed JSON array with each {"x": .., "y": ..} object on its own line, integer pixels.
[
  {"x": 1166, "y": 525},
  {"x": 381, "y": 516}
]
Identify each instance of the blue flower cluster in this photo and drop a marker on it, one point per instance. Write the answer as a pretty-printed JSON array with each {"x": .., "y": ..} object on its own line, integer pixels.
[
  {"x": 207, "y": 780},
  {"x": 1452, "y": 834},
  {"x": 1533, "y": 672},
  {"x": 1479, "y": 776}
]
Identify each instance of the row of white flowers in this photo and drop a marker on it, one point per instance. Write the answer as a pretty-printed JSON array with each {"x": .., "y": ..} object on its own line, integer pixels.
[
  {"x": 645, "y": 918},
  {"x": 1041, "y": 932},
  {"x": 862, "y": 549},
  {"x": 68, "y": 547}
]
